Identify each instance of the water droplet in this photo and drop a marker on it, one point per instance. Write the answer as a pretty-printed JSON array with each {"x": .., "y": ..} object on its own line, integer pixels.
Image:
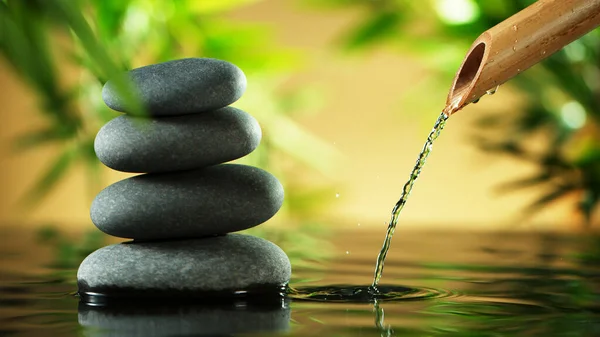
[
  {"x": 519, "y": 70},
  {"x": 492, "y": 91},
  {"x": 337, "y": 195},
  {"x": 514, "y": 48},
  {"x": 347, "y": 252},
  {"x": 515, "y": 28},
  {"x": 543, "y": 52},
  {"x": 477, "y": 100}
]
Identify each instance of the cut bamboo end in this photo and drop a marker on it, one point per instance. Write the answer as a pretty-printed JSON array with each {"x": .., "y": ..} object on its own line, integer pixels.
[
  {"x": 517, "y": 44},
  {"x": 467, "y": 77}
]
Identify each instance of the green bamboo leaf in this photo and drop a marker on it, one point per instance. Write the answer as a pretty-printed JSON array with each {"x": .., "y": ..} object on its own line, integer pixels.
[
  {"x": 91, "y": 241},
  {"x": 92, "y": 166},
  {"x": 84, "y": 62},
  {"x": 571, "y": 80},
  {"x": 588, "y": 158},
  {"x": 215, "y": 7},
  {"x": 534, "y": 117},
  {"x": 374, "y": 29},
  {"x": 588, "y": 203},
  {"x": 25, "y": 44},
  {"x": 71, "y": 13},
  {"x": 308, "y": 201},
  {"x": 330, "y": 4},
  {"x": 556, "y": 194},
  {"x": 537, "y": 179},
  {"x": 298, "y": 143},
  {"x": 44, "y": 136},
  {"x": 55, "y": 172},
  {"x": 48, "y": 234},
  {"x": 509, "y": 147},
  {"x": 490, "y": 121},
  {"x": 110, "y": 15}
]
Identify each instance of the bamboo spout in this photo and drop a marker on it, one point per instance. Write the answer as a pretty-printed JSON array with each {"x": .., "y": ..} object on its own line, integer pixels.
[{"x": 518, "y": 43}]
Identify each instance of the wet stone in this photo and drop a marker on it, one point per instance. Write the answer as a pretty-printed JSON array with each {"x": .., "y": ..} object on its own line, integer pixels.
[
  {"x": 214, "y": 200},
  {"x": 230, "y": 262},
  {"x": 181, "y": 87},
  {"x": 138, "y": 144}
]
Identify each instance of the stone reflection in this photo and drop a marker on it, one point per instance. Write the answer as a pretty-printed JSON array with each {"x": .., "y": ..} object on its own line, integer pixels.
[{"x": 172, "y": 319}]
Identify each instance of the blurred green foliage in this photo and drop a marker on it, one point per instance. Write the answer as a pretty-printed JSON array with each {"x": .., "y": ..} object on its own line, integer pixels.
[
  {"x": 69, "y": 252},
  {"x": 557, "y": 127},
  {"x": 99, "y": 39}
]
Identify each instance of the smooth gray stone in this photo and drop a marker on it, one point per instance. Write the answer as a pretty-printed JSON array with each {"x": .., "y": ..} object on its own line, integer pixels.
[
  {"x": 139, "y": 144},
  {"x": 229, "y": 262},
  {"x": 181, "y": 87},
  {"x": 214, "y": 200},
  {"x": 182, "y": 320}
]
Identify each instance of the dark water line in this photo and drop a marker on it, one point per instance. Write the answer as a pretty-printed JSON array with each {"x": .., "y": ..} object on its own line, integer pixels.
[
  {"x": 265, "y": 295},
  {"x": 433, "y": 135}
]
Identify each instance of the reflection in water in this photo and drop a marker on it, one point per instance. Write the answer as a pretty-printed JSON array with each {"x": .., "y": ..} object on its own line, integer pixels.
[
  {"x": 171, "y": 319},
  {"x": 440, "y": 284},
  {"x": 386, "y": 331}
]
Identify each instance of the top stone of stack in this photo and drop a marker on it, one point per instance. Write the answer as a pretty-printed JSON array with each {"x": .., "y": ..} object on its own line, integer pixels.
[{"x": 181, "y": 87}]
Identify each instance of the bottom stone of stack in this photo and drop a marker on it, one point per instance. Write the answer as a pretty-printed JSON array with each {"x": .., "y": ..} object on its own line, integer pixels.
[{"x": 223, "y": 265}]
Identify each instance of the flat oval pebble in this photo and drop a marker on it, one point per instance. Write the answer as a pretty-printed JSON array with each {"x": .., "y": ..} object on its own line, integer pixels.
[
  {"x": 232, "y": 262},
  {"x": 214, "y": 200},
  {"x": 138, "y": 144},
  {"x": 181, "y": 87}
]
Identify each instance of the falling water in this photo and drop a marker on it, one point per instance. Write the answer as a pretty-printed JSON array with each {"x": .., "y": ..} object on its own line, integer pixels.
[{"x": 437, "y": 128}]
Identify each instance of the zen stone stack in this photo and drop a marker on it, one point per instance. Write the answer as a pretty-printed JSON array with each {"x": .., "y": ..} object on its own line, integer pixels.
[{"x": 181, "y": 210}]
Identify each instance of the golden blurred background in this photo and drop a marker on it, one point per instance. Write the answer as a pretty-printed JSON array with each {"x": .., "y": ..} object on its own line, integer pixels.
[{"x": 368, "y": 112}]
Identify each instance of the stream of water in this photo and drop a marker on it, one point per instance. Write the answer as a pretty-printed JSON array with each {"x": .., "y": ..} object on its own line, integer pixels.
[
  {"x": 408, "y": 186},
  {"x": 416, "y": 171}
]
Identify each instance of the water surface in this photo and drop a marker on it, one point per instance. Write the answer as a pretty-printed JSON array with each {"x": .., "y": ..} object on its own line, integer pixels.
[{"x": 436, "y": 283}]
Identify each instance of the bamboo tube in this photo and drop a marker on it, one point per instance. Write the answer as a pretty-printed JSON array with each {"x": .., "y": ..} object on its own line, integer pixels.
[{"x": 518, "y": 43}]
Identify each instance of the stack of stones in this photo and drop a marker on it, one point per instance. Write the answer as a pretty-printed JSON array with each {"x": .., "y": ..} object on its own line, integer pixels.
[{"x": 180, "y": 212}]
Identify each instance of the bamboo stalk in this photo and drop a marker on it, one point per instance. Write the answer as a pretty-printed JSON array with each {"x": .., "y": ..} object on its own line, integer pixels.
[{"x": 518, "y": 43}]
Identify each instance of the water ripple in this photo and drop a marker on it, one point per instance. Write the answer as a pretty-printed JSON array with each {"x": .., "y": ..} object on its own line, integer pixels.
[{"x": 367, "y": 294}]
